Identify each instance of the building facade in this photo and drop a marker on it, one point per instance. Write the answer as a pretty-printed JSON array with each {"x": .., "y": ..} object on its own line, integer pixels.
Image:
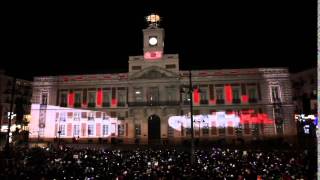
[
  {"x": 22, "y": 94},
  {"x": 304, "y": 85},
  {"x": 152, "y": 101}
]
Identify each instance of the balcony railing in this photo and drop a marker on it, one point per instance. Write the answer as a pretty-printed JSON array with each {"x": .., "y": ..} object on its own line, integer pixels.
[{"x": 155, "y": 103}]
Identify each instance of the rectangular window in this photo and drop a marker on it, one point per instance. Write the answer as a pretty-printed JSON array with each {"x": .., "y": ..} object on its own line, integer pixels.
[
  {"x": 92, "y": 99},
  {"x": 63, "y": 116},
  {"x": 205, "y": 129},
  {"x": 122, "y": 96},
  {"x": 90, "y": 130},
  {"x": 138, "y": 129},
  {"x": 220, "y": 96},
  {"x": 214, "y": 130},
  {"x": 136, "y": 67},
  {"x": 106, "y": 98},
  {"x": 171, "y": 94},
  {"x": 76, "y": 116},
  {"x": 91, "y": 116},
  {"x": 246, "y": 128},
  {"x": 77, "y": 97},
  {"x": 153, "y": 94},
  {"x": 203, "y": 96},
  {"x": 275, "y": 92},
  {"x": 252, "y": 92},
  {"x": 63, "y": 100},
  {"x": 76, "y": 130},
  {"x": 230, "y": 128},
  {"x": 105, "y": 130},
  {"x": 44, "y": 98},
  {"x": 121, "y": 129},
  {"x": 98, "y": 114},
  {"x": 62, "y": 129},
  {"x": 138, "y": 94},
  {"x": 170, "y": 66},
  {"x": 236, "y": 96},
  {"x": 83, "y": 114}
]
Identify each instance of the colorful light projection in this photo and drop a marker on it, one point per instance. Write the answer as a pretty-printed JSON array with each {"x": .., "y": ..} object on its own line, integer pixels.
[
  {"x": 71, "y": 99},
  {"x": 228, "y": 92},
  {"x": 153, "y": 55},
  {"x": 220, "y": 119},
  {"x": 196, "y": 96},
  {"x": 99, "y": 97},
  {"x": 72, "y": 120}
]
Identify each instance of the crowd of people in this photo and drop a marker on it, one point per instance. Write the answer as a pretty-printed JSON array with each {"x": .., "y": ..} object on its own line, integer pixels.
[{"x": 160, "y": 163}]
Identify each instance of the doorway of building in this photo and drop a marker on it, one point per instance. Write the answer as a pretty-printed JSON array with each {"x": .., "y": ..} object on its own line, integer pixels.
[{"x": 154, "y": 127}]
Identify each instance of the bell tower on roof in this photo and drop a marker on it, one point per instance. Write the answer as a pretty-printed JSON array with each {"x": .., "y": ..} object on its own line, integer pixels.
[{"x": 153, "y": 38}]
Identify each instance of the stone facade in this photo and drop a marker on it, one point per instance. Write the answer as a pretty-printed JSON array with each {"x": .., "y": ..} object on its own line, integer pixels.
[{"x": 156, "y": 88}]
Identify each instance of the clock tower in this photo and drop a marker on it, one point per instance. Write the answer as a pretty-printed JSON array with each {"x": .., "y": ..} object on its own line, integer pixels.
[{"x": 153, "y": 39}]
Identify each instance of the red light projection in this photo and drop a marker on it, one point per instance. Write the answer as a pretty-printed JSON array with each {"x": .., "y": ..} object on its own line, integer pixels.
[
  {"x": 254, "y": 118},
  {"x": 114, "y": 102},
  {"x": 99, "y": 97},
  {"x": 153, "y": 55},
  {"x": 71, "y": 99},
  {"x": 212, "y": 101},
  {"x": 196, "y": 96},
  {"x": 228, "y": 92},
  {"x": 244, "y": 98}
]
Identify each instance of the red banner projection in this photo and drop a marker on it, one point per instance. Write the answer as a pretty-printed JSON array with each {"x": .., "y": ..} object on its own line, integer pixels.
[
  {"x": 259, "y": 118},
  {"x": 228, "y": 92},
  {"x": 244, "y": 98},
  {"x": 71, "y": 99},
  {"x": 196, "y": 96},
  {"x": 99, "y": 97}
]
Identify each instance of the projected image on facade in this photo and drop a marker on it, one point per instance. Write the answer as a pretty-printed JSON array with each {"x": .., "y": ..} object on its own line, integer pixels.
[{"x": 220, "y": 120}]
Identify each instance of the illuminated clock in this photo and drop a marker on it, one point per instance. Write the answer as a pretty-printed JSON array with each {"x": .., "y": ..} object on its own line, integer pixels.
[{"x": 153, "y": 41}]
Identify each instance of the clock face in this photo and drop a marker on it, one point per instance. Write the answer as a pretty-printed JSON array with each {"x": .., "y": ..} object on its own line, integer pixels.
[{"x": 153, "y": 41}]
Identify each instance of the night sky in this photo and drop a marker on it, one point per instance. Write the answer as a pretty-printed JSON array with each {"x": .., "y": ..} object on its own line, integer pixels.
[{"x": 52, "y": 39}]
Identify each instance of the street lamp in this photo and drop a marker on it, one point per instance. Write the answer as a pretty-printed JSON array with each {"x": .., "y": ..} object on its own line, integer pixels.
[{"x": 190, "y": 91}]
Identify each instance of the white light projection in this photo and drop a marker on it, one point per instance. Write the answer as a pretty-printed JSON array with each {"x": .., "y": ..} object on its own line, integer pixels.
[{"x": 219, "y": 119}]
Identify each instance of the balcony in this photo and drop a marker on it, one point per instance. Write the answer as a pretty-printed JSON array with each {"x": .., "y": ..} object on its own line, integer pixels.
[{"x": 155, "y": 103}]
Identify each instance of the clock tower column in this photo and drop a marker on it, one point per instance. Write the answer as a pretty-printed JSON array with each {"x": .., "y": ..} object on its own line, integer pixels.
[{"x": 153, "y": 39}]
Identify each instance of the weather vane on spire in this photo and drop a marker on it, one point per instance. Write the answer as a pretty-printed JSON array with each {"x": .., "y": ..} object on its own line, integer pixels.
[{"x": 153, "y": 20}]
